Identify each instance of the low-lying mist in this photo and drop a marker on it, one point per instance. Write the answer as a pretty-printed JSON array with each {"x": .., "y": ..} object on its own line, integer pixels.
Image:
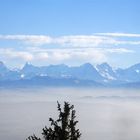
[{"x": 103, "y": 114}]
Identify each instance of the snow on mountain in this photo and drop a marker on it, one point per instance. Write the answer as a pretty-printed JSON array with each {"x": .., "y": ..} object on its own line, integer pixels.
[
  {"x": 106, "y": 71},
  {"x": 85, "y": 73}
]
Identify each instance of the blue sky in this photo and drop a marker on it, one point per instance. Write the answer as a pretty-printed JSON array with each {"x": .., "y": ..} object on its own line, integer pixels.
[{"x": 73, "y": 32}]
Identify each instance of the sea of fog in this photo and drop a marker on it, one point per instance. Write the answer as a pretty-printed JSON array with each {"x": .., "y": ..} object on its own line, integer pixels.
[{"x": 103, "y": 114}]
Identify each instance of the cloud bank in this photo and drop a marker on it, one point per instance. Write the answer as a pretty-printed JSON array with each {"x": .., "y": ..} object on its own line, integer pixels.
[
  {"x": 95, "y": 48},
  {"x": 76, "y": 40}
]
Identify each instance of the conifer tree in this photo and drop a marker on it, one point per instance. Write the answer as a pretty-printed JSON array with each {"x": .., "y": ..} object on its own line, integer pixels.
[{"x": 64, "y": 128}]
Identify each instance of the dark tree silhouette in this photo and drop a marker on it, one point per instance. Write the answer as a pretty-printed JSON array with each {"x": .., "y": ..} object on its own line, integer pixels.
[{"x": 64, "y": 128}]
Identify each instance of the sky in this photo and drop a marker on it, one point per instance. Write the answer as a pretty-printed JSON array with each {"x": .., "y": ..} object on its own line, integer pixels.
[{"x": 72, "y": 32}]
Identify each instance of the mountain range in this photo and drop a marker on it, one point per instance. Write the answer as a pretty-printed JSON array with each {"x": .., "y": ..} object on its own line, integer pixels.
[{"x": 102, "y": 75}]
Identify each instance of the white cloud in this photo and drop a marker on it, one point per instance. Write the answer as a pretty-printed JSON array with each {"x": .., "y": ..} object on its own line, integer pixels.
[
  {"x": 59, "y": 56},
  {"x": 54, "y": 56},
  {"x": 74, "y": 48},
  {"x": 129, "y": 42},
  {"x": 14, "y": 54},
  {"x": 90, "y": 55},
  {"x": 96, "y": 40},
  {"x": 33, "y": 39},
  {"x": 119, "y": 34},
  {"x": 94, "y": 55},
  {"x": 83, "y": 40},
  {"x": 119, "y": 50},
  {"x": 42, "y": 56}
]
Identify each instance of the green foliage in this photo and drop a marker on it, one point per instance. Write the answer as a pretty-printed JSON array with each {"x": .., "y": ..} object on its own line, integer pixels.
[
  {"x": 33, "y": 138},
  {"x": 64, "y": 128}
]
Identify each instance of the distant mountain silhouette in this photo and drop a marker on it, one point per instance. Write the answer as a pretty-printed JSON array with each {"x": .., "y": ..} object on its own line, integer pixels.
[{"x": 63, "y": 75}]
